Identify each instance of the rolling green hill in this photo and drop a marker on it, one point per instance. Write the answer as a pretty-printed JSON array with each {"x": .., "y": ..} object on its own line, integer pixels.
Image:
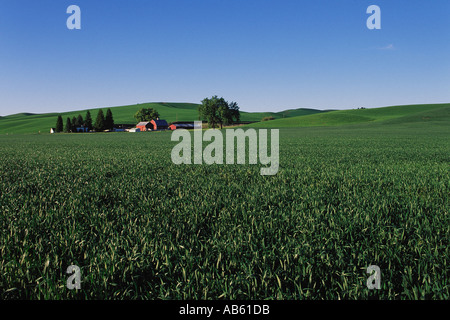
[
  {"x": 386, "y": 115},
  {"x": 257, "y": 116},
  {"x": 34, "y": 123},
  {"x": 440, "y": 113}
]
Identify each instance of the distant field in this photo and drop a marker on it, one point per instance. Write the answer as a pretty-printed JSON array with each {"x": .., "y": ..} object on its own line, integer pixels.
[
  {"x": 257, "y": 116},
  {"x": 34, "y": 123},
  {"x": 396, "y": 114},
  {"x": 140, "y": 227}
]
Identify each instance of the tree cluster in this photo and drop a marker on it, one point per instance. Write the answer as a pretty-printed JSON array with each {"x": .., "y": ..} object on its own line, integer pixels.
[
  {"x": 101, "y": 123},
  {"x": 218, "y": 112},
  {"x": 146, "y": 115}
]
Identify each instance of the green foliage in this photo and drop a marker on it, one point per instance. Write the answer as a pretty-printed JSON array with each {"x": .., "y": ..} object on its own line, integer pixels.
[
  {"x": 74, "y": 124},
  {"x": 32, "y": 123},
  {"x": 80, "y": 121},
  {"x": 343, "y": 199},
  {"x": 99, "y": 121},
  {"x": 146, "y": 114},
  {"x": 59, "y": 124},
  {"x": 68, "y": 127},
  {"x": 235, "y": 115},
  {"x": 88, "y": 120},
  {"x": 217, "y": 111},
  {"x": 109, "y": 120}
]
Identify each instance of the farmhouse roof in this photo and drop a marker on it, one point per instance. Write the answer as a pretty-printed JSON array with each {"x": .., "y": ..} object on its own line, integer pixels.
[
  {"x": 160, "y": 122},
  {"x": 144, "y": 123}
]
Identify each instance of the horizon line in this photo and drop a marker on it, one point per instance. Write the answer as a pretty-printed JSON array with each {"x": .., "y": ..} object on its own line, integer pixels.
[{"x": 167, "y": 102}]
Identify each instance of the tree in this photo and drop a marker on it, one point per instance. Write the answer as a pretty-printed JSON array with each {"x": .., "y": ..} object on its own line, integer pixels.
[
  {"x": 217, "y": 111},
  {"x": 224, "y": 113},
  {"x": 234, "y": 109},
  {"x": 109, "y": 121},
  {"x": 146, "y": 114},
  {"x": 74, "y": 124},
  {"x": 68, "y": 127},
  {"x": 100, "y": 121},
  {"x": 88, "y": 120},
  {"x": 80, "y": 121},
  {"x": 59, "y": 124},
  {"x": 208, "y": 111}
]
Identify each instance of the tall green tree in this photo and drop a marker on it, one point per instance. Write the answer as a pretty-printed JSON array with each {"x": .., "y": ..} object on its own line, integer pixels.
[
  {"x": 68, "y": 127},
  {"x": 74, "y": 124},
  {"x": 234, "y": 110},
  {"x": 224, "y": 113},
  {"x": 109, "y": 120},
  {"x": 216, "y": 111},
  {"x": 88, "y": 120},
  {"x": 99, "y": 121},
  {"x": 208, "y": 111},
  {"x": 59, "y": 124},
  {"x": 146, "y": 114},
  {"x": 80, "y": 121}
]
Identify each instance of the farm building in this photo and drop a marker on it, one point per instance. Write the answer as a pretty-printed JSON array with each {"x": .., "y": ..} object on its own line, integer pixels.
[
  {"x": 144, "y": 126},
  {"x": 159, "y": 124},
  {"x": 52, "y": 130},
  {"x": 152, "y": 125},
  {"x": 181, "y": 125}
]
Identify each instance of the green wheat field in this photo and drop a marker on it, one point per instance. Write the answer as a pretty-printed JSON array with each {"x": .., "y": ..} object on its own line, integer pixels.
[{"x": 373, "y": 190}]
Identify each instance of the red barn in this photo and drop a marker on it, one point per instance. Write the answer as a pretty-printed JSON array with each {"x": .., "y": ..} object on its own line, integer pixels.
[
  {"x": 144, "y": 126},
  {"x": 159, "y": 124}
]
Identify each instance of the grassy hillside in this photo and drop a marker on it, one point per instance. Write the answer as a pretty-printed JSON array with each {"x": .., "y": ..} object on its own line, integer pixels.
[
  {"x": 33, "y": 123},
  {"x": 257, "y": 116},
  {"x": 387, "y": 115}
]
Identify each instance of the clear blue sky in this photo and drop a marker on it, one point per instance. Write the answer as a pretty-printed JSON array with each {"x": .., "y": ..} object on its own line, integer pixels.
[{"x": 264, "y": 54}]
